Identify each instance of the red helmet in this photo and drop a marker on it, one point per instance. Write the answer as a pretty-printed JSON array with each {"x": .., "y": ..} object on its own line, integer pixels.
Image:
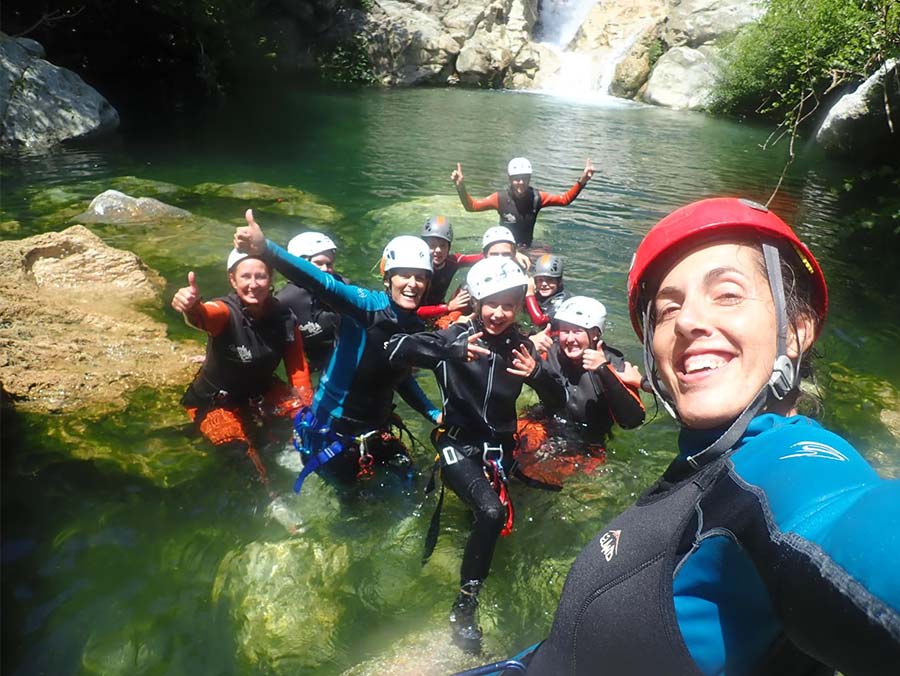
[{"x": 708, "y": 217}]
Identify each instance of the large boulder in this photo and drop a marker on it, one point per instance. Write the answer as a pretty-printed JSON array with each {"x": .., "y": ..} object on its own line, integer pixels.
[
  {"x": 633, "y": 69},
  {"x": 697, "y": 22},
  {"x": 112, "y": 206},
  {"x": 42, "y": 105},
  {"x": 71, "y": 335},
  {"x": 408, "y": 46},
  {"x": 858, "y": 123},
  {"x": 438, "y": 41},
  {"x": 683, "y": 78}
]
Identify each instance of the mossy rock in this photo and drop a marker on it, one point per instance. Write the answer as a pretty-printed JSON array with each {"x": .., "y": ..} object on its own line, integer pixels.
[
  {"x": 10, "y": 228},
  {"x": 407, "y": 218},
  {"x": 284, "y": 200},
  {"x": 281, "y": 598}
]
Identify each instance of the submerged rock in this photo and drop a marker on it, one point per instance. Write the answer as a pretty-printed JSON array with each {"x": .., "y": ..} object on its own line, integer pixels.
[
  {"x": 285, "y": 200},
  {"x": 278, "y": 597},
  {"x": 42, "y": 105},
  {"x": 427, "y": 653},
  {"x": 408, "y": 217},
  {"x": 70, "y": 333},
  {"x": 113, "y": 206}
]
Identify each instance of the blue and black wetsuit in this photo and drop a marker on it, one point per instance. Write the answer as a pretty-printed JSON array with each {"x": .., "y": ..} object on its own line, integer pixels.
[
  {"x": 356, "y": 390},
  {"x": 778, "y": 557}
]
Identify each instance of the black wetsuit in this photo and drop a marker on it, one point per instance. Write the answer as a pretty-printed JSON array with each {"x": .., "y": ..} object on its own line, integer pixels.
[
  {"x": 595, "y": 399},
  {"x": 318, "y": 323},
  {"x": 479, "y": 409}
]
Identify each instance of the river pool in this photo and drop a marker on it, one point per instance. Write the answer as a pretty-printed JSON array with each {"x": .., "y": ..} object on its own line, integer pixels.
[{"x": 130, "y": 547}]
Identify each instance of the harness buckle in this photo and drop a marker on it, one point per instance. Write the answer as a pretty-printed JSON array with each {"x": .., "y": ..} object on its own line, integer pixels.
[{"x": 492, "y": 453}]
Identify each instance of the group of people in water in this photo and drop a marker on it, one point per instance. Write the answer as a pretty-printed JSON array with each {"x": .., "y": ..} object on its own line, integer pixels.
[{"x": 764, "y": 548}]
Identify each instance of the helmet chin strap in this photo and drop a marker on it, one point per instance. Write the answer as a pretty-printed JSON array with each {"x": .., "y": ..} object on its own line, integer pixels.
[{"x": 783, "y": 380}]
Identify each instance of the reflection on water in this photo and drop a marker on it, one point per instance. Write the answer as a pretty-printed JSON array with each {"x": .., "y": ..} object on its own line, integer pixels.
[{"x": 129, "y": 546}]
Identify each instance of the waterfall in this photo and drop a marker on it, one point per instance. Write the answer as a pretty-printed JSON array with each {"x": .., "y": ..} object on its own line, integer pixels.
[
  {"x": 581, "y": 74},
  {"x": 561, "y": 19}
]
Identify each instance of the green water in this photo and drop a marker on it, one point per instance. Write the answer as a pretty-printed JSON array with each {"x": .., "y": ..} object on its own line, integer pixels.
[{"x": 130, "y": 547}]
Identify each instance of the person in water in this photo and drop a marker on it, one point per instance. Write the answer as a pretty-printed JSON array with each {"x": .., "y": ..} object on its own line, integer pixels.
[
  {"x": 546, "y": 291},
  {"x": 519, "y": 204},
  {"x": 250, "y": 334},
  {"x": 498, "y": 240},
  {"x": 438, "y": 234},
  {"x": 481, "y": 366},
  {"x": 769, "y": 545},
  {"x": 349, "y": 424},
  {"x": 318, "y": 322},
  {"x": 601, "y": 391}
]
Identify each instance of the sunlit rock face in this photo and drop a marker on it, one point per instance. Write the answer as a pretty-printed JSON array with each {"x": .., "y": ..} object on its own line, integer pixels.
[
  {"x": 42, "y": 105},
  {"x": 70, "y": 332},
  {"x": 857, "y": 125},
  {"x": 683, "y": 78},
  {"x": 699, "y": 22}
]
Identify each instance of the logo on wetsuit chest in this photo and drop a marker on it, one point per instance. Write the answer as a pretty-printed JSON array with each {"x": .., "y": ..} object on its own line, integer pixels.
[
  {"x": 509, "y": 218},
  {"x": 609, "y": 544},
  {"x": 814, "y": 449},
  {"x": 243, "y": 353},
  {"x": 311, "y": 329}
]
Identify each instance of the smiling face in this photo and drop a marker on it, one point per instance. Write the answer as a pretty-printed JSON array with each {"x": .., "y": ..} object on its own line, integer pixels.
[
  {"x": 407, "y": 286},
  {"x": 323, "y": 260},
  {"x": 546, "y": 286},
  {"x": 440, "y": 248},
  {"x": 498, "y": 312},
  {"x": 715, "y": 330},
  {"x": 574, "y": 340},
  {"x": 519, "y": 184},
  {"x": 251, "y": 280}
]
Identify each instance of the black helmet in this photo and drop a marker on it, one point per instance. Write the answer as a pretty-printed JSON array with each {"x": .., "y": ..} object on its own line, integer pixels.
[
  {"x": 548, "y": 265},
  {"x": 438, "y": 226}
]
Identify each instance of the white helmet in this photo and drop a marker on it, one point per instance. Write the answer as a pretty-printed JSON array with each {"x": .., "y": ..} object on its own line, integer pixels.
[
  {"x": 308, "y": 244},
  {"x": 519, "y": 166},
  {"x": 234, "y": 258},
  {"x": 497, "y": 233},
  {"x": 494, "y": 275},
  {"x": 582, "y": 311},
  {"x": 407, "y": 251}
]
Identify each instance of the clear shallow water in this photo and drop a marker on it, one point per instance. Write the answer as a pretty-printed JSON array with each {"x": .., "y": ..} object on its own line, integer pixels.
[{"x": 129, "y": 547}]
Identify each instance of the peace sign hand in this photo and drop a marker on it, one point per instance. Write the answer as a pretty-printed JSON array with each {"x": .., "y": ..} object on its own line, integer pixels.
[{"x": 523, "y": 364}]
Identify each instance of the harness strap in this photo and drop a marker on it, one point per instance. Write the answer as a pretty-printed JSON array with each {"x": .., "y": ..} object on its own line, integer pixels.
[{"x": 314, "y": 462}]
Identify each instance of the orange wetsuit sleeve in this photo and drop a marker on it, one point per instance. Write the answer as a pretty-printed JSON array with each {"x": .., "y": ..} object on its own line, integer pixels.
[
  {"x": 432, "y": 311},
  {"x": 467, "y": 259},
  {"x": 296, "y": 366},
  {"x": 492, "y": 201},
  {"x": 211, "y": 317},
  {"x": 548, "y": 200},
  {"x": 538, "y": 318}
]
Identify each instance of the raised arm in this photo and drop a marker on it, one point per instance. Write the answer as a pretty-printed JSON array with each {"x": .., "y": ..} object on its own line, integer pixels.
[
  {"x": 343, "y": 298},
  {"x": 469, "y": 204},
  {"x": 210, "y": 317},
  {"x": 430, "y": 348},
  {"x": 548, "y": 200}
]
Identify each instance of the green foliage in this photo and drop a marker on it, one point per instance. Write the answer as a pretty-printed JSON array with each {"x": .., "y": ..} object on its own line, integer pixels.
[
  {"x": 656, "y": 50},
  {"x": 801, "y": 50},
  {"x": 348, "y": 63}
]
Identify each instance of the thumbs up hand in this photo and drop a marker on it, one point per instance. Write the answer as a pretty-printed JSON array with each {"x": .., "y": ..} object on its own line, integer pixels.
[{"x": 187, "y": 296}]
